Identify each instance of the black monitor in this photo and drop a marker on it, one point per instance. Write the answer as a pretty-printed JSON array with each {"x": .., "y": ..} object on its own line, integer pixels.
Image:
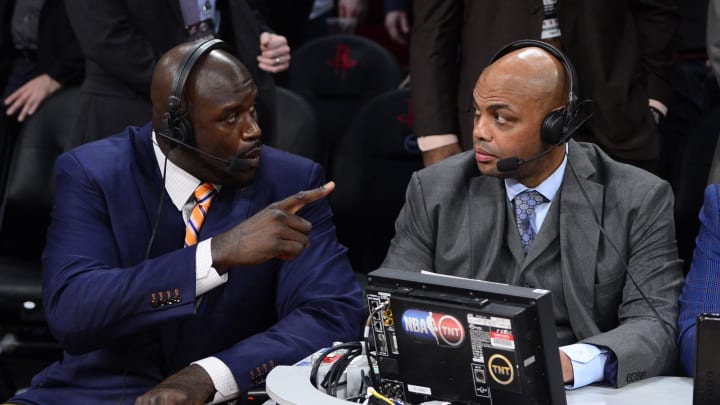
[{"x": 464, "y": 341}]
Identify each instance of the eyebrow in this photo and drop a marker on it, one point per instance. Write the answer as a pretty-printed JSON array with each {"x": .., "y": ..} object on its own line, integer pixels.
[{"x": 493, "y": 107}]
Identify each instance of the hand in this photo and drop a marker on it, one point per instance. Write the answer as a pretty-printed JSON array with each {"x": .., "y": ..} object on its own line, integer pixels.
[
  {"x": 438, "y": 154},
  {"x": 275, "y": 232},
  {"x": 28, "y": 98},
  {"x": 396, "y": 24},
  {"x": 274, "y": 53},
  {"x": 191, "y": 385},
  {"x": 351, "y": 8},
  {"x": 567, "y": 368}
]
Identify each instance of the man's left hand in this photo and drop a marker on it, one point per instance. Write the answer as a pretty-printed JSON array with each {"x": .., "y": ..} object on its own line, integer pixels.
[
  {"x": 26, "y": 100},
  {"x": 189, "y": 386},
  {"x": 274, "y": 53},
  {"x": 567, "y": 368}
]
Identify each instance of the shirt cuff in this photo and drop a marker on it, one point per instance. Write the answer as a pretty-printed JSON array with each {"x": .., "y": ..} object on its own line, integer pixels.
[
  {"x": 206, "y": 277},
  {"x": 588, "y": 363},
  {"x": 225, "y": 385},
  {"x": 430, "y": 142},
  {"x": 658, "y": 106}
]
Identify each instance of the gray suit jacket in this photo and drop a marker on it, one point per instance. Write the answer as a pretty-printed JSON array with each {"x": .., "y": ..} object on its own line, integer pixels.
[{"x": 453, "y": 222}]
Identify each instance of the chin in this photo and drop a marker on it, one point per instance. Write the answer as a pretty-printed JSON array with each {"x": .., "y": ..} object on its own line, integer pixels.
[{"x": 242, "y": 178}]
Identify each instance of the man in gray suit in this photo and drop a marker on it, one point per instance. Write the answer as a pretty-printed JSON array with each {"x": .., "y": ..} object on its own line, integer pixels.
[{"x": 527, "y": 206}]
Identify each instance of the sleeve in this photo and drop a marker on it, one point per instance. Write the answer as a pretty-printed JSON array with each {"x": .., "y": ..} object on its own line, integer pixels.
[
  {"x": 648, "y": 318},
  {"x": 97, "y": 291},
  {"x": 413, "y": 245},
  {"x": 588, "y": 363},
  {"x": 108, "y": 37},
  {"x": 656, "y": 22},
  {"x": 701, "y": 292},
  {"x": 436, "y": 35},
  {"x": 318, "y": 302}
]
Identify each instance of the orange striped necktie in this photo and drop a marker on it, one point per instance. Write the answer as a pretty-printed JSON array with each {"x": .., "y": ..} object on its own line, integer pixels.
[{"x": 204, "y": 195}]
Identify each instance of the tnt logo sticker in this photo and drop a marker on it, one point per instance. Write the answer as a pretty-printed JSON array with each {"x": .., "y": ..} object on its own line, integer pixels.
[
  {"x": 502, "y": 370},
  {"x": 431, "y": 327}
]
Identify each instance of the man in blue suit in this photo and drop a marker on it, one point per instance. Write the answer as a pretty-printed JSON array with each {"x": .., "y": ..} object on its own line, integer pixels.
[
  {"x": 701, "y": 292},
  {"x": 144, "y": 319}
]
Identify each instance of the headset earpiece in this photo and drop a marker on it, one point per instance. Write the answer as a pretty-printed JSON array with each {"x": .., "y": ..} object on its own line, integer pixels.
[
  {"x": 559, "y": 125},
  {"x": 553, "y": 127},
  {"x": 175, "y": 123}
]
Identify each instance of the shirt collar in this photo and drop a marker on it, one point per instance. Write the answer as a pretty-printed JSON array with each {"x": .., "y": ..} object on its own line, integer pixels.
[
  {"x": 548, "y": 188},
  {"x": 179, "y": 184}
]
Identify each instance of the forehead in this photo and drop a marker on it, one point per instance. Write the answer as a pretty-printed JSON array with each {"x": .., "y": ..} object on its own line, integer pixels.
[
  {"x": 507, "y": 88},
  {"x": 223, "y": 85}
]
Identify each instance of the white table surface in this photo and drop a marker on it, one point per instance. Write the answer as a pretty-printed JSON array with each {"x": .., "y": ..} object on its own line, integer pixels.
[{"x": 290, "y": 385}]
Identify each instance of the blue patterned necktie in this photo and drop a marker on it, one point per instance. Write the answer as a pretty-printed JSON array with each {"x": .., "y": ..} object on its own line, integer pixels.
[{"x": 525, "y": 204}]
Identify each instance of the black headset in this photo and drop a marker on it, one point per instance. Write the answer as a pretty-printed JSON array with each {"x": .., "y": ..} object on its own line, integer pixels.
[
  {"x": 175, "y": 123},
  {"x": 559, "y": 125}
]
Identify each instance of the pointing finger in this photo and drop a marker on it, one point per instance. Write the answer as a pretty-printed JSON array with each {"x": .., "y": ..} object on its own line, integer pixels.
[{"x": 295, "y": 202}]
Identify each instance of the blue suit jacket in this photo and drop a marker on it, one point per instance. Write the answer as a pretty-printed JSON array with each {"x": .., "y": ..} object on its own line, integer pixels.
[
  {"x": 701, "y": 292},
  {"x": 98, "y": 286}
]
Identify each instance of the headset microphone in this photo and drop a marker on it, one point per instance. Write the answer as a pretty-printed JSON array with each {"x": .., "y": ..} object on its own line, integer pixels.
[
  {"x": 512, "y": 163},
  {"x": 235, "y": 164}
]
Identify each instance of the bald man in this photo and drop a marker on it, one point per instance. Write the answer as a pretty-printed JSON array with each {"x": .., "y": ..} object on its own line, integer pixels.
[
  {"x": 185, "y": 259},
  {"x": 555, "y": 214}
]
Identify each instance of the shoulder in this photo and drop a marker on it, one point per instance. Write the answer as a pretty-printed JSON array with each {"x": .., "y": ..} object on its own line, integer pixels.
[
  {"x": 710, "y": 214},
  {"x": 111, "y": 161},
  {"x": 109, "y": 152},
  {"x": 458, "y": 168},
  {"x": 619, "y": 179}
]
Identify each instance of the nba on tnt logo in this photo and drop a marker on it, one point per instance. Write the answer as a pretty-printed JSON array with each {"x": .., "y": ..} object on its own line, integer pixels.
[{"x": 431, "y": 327}]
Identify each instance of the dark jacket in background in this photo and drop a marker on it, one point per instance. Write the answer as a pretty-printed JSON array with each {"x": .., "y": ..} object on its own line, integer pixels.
[{"x": 123, "y": 39}]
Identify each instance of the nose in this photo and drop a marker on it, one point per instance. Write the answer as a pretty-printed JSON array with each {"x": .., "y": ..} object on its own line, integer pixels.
[
  {"x": 480, "y": 130},
  {"x": 251, "y": 130}
]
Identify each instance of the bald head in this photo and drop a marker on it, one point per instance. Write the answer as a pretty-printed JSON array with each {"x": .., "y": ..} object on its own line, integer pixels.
[
  {"x": 211, "y": 71},
  {"x": 533, "y": 72}
]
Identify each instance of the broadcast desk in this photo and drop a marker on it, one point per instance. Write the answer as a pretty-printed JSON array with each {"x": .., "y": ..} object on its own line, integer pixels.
[{"x": 290, "y": 385}]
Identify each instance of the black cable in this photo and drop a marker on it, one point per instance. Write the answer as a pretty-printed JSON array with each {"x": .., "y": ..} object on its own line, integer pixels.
[
  {"x": 335, "y": 373},
  {"x": 319, "y": 360},
  {"x": 617, "y": 251},
  {"x": 158, "y": 212}
]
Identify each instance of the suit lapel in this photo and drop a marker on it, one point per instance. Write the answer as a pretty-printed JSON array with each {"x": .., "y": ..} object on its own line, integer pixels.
[
  {"x": 580, "y": 234},
  {"x": 487, "y": 211}
]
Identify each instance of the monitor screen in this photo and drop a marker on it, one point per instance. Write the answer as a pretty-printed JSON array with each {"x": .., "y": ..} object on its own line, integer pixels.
[{"x": 444, "y": 338}]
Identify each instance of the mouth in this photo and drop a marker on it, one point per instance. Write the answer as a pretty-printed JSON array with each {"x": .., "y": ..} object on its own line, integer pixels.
[
  {"x": 252, "y": 155},
  {"x": 482, "y": 156}
]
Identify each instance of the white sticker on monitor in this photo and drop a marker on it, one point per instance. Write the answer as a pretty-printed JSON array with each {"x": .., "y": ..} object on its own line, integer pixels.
[
  {"x": 417, "y": 389},
  {"x": 503, "y": 323}
]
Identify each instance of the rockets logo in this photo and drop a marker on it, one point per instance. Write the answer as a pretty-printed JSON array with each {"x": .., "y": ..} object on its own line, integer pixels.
[{"x": 430, "y": 327}]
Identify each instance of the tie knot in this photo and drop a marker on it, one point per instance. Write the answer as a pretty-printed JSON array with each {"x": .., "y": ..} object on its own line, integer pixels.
[
  {"x": 528, "y": 200},
  {"x": 204, "y": 192}
]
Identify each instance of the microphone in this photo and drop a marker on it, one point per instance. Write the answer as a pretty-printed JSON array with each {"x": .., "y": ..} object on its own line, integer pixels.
[
  {"x": 513, "y": 162},
  {"x": 235, "y": 164}
]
